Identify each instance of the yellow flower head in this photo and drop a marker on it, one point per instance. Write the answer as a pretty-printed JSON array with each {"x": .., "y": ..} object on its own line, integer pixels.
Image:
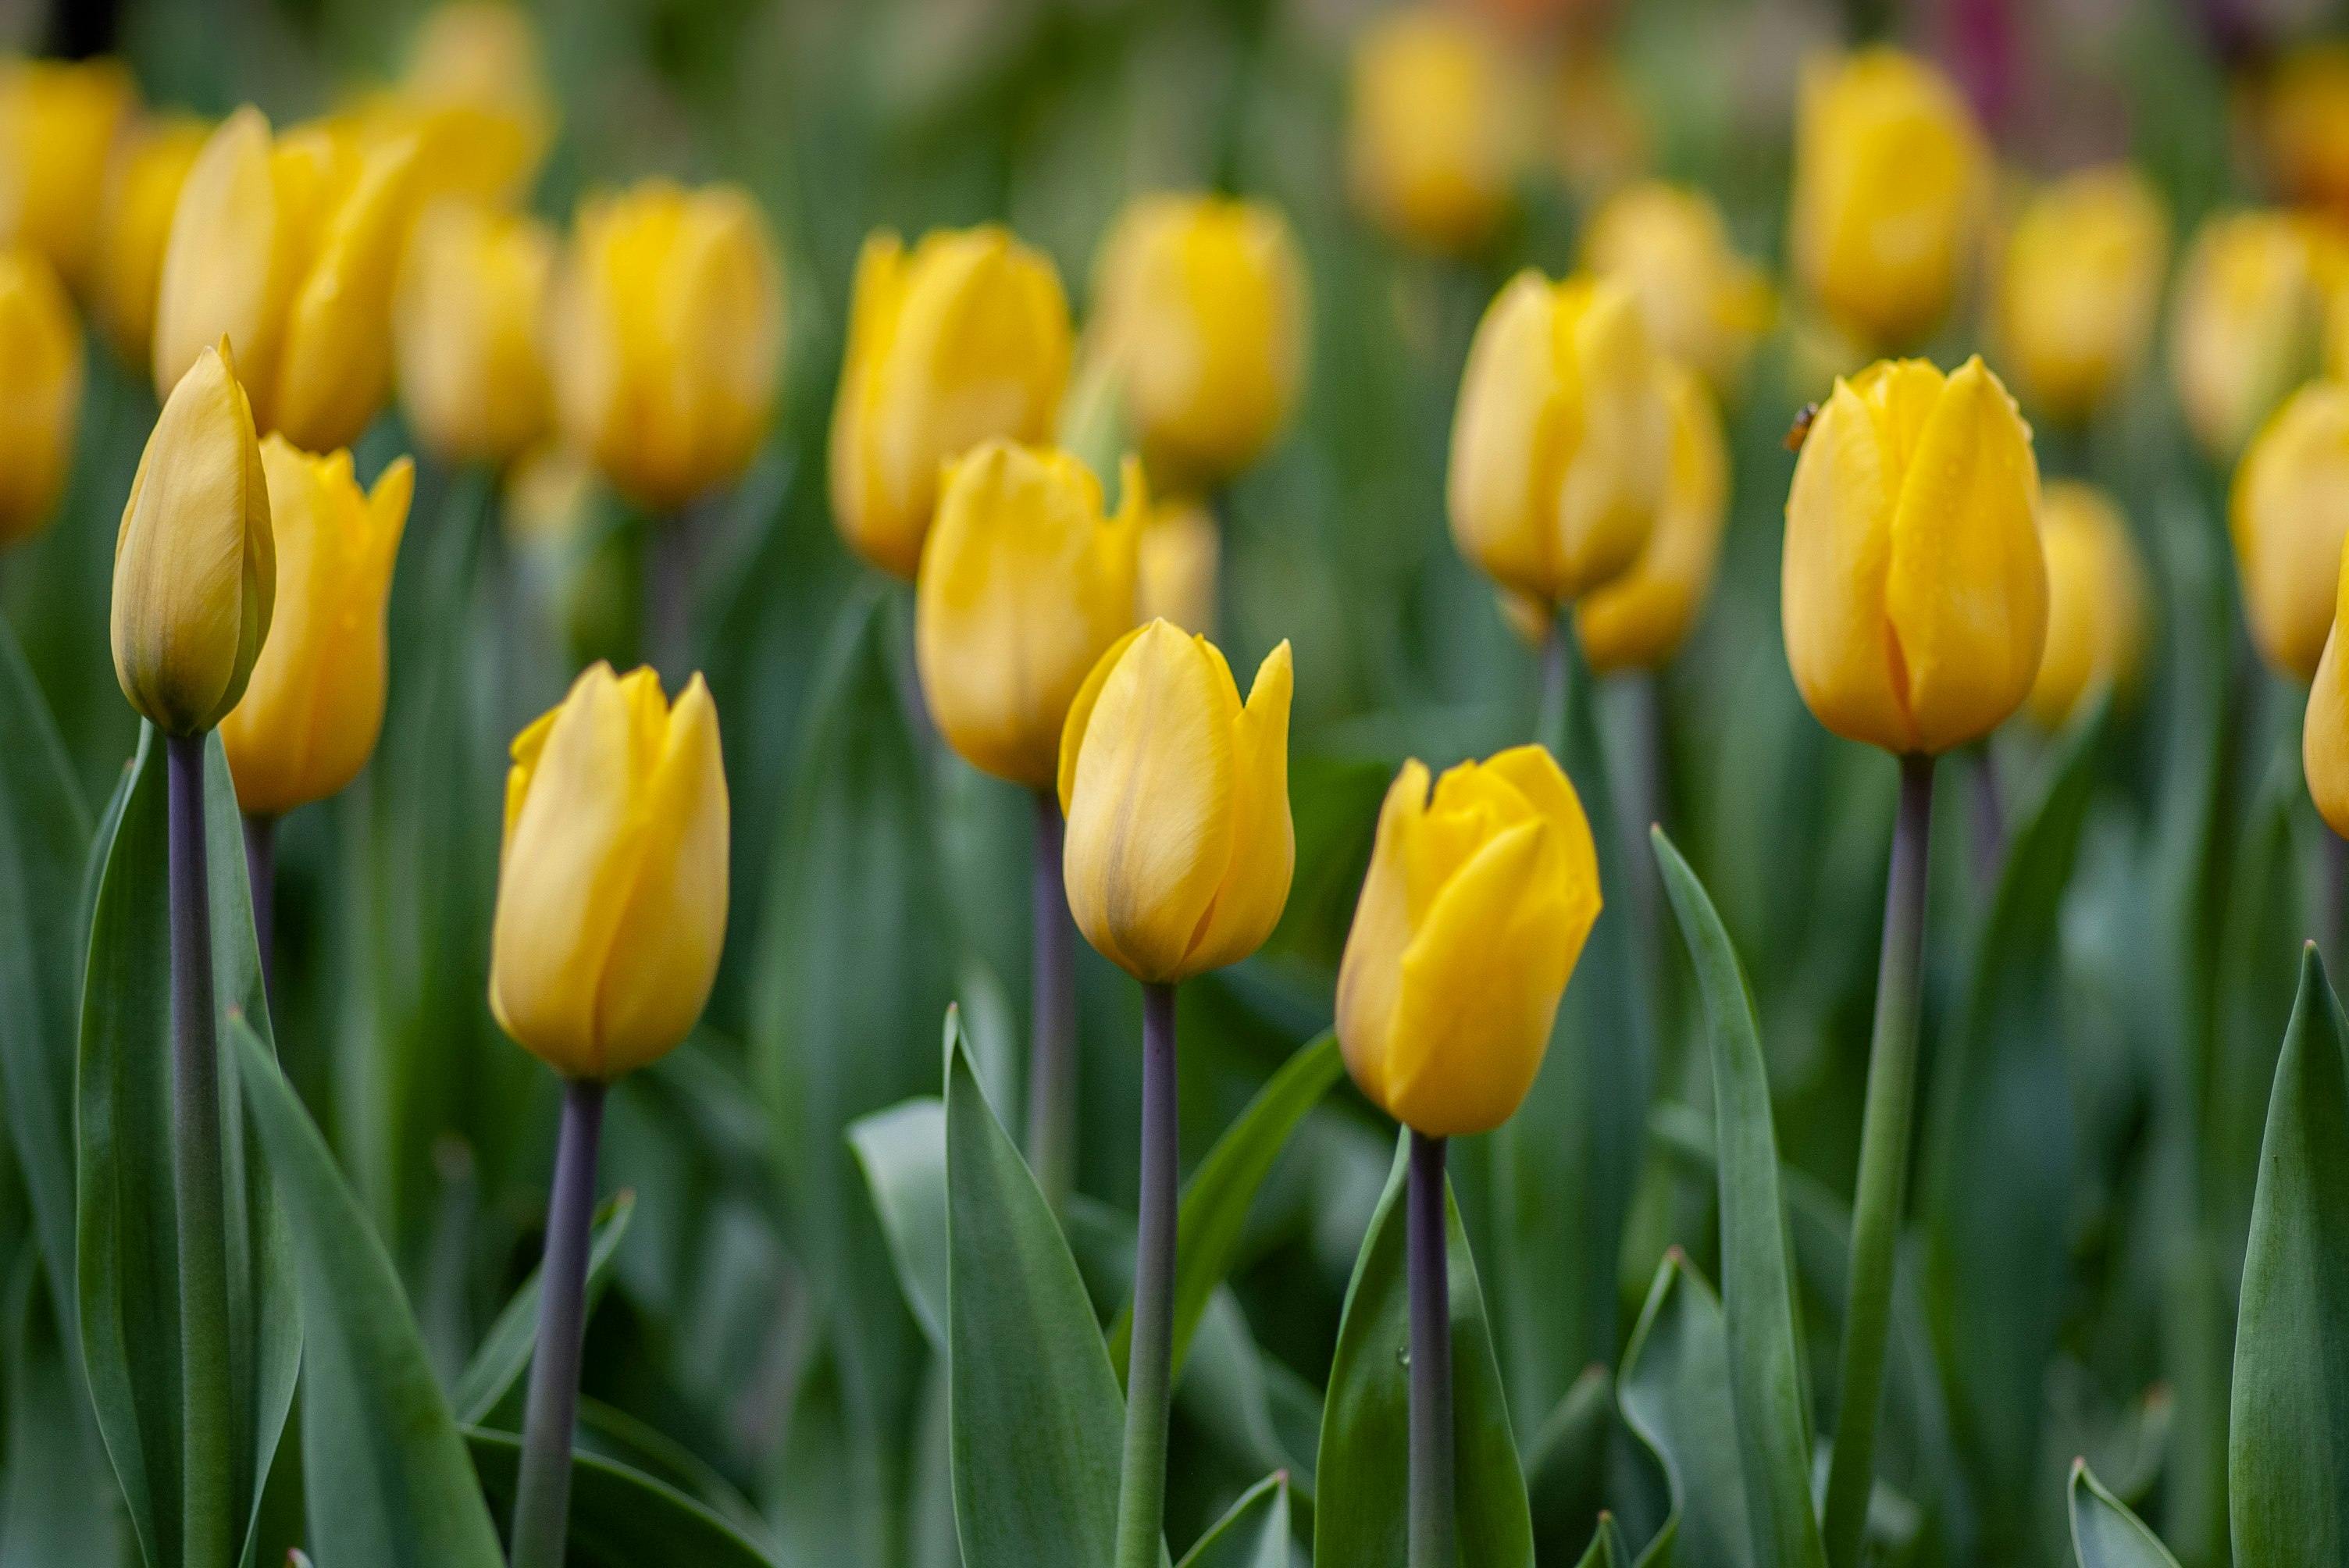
[
  {"x": 2288, "y": 513},
  {"x": 142, "y": 192},
  {"x": 1704, "y": 304},
  {"x": 611, "y": 884},
  {"x": 1180, "y": 847},
  {"x": 2081, "y": 287},
  {"x": 40, "y": 391},
  {"x": 58, "y": 128},
  {"x": 466, "y": 333},
  {"x": 2096, "y": 602},
  {"x": 1641, "y": 619},
  {"x": 1437, "y": 129},
  {"x": 1475, "y": 909},
  {"x": 2304, "y": 117},
  {"x": 2246, "y": 324},
  {"x": 476, "y": 89},
  {"x": 1914, "y": 593}
]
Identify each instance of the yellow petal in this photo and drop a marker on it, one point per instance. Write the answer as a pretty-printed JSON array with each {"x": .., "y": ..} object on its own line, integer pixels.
[
  {"x": 2096, "y": 603},
  {"x": 2080, "y": 287},
  {"x": 1641, "y": 619},
  {"x": 223, "y": 273},
  {"x": 142, "y": 189},
  {"x": 2324, "y": 732},
  {"x": 2289, "y": 513},
  {"x": 58, "y": 123},
  {"x": 1436, "y": 128},
  {"x": 1838, "y": 550},
  {"x": 1505, "y": 436},
  {"x": 466, "y": 333},
  {"x": 1369, "y": 975},
  {"x": 40, "y": 395},
  {"x": 335, "y": 361},
  {"x": 1080, "y": 713},
  {"x": 1254, "y": 886},
  {"x": 1616, "y": 437}
]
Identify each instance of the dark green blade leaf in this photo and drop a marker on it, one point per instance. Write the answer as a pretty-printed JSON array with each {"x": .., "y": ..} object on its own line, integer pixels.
[
  {"x": 1764, "y": 1328},
  {"x": 613, "y": 1434},
  {"x": 503, "y": 1356},
  {"x": 619, "y": 1518},
  {"x": 1607, "y": 1546},
  {"x": 1039, "y": 1426},
  {"x": 388, "y": 1482},
  {"x": 2105, "y": 1534},
  {"x": 1362, "y": 1513},
  {"x": 1675, "y": 1394},
  {"x": 57, "y": 1498},
  {"x": 2288, "y": 1448},
  {"x": 1566, "y": 1463},
  {"x": 904, "y": 1153},
  {"x": 1253, "y": 1534}
]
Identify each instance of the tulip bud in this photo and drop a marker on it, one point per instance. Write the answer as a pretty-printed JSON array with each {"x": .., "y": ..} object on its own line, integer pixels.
[
  {"x": 2246, "y": 324},
  {"x": 466, "y": 333},
  {"x": 965, "y": 338},
  {"x": 195, "y": 565},
  {"x": 1180, "y": 847},
  {"x": 1913, "y": 593},
  {"x": 1888, "y": 192},
  {"x": 1472, "y": 917},
  {"x": 1024, "y": 585},
  {"x": 288, "y": 249},
  {"x": 476, "y": 89},
  {"x": 2096, "y": 603},
  {"x": 1703, "y": 303},
  {"x": 1202, "y": 299},
  {"x": 2289, "y": 513},
  {"x": 142, "y": 189},
  {"x": 2324, "y": 731},
  {"x": 1181, "y": 567},
  {"x": 40, "y": 391},
  {"x": 310, "y": 715},
  {"x": 58, "y": 125},
  {"x": 1436, "y": 130},
  {"x": 2080, "y": 286},
  {"x": 668, "y": 326},
  {"x": 2304, "y": 119},
  {"x": 1641, "y": 619},
  {"x": 612, "y": 887},
  {"x": 1562, "y": 437}
]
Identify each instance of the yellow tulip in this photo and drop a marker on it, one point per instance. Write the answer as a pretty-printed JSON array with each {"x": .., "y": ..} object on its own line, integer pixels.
[
  {"x": 1703, "y": 303},
  {"x": 476, "y": 88},
  {"x": 2080, "y": 287},
  {"x": 965, "y": 338},
  {"x": 142, "y": 189},
  {"x": 1889, "y": 181},
  {"x": 58, "y": 125},
  {"x": 1181, "y": 567},
  {"x": 288, "y": 249},
  {"x": 310, "y": 715},
  {"x": 1180, "y": 847},
  {"x": 1914, "y": 593},
  {"x": 1641, "y": 619},
  {"x": 2289, "y": 513},
  {"x": 40, "y": 392},
  {"x": 1561, "y": 439},
  {"x": 195, "y": 564},
  {"x": 2246, "y": 324},
  {"x": 2324, "y": 731},
  {"x": 1436, "y": 130},
  {"x": 466, "y": 333},
  {"x": 1475, "y": 909},
  {"x": 668, "y": 327},
  {"x": 2304, "y": 121},
  {"x": 2096, "y": 603},
  {"x": 612, "y": 886},
  {"x": 1024, "y": 585},
  {"x": 1203, "y": 302}
]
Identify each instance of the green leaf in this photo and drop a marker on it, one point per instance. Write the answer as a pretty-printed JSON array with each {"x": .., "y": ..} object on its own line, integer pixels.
[
  {"x": 2287, "y": 1449},
  {"x": 2105, "y": 1534},
  {"x": 1566, "y": 1463},
  {"x": 1253, "y": 1534},
  {"x": 498, "y": 1364},
  {"x": 57, "y": 1498},
  {"x": 1039, "y": 1426},
  {"x": 127, "y": 1260},
  {"x": 1763, "y": 1317},
  {"x": 613, "y": 1434},
  {"x": 388, "y": 1483},
  {"x": 904, "y": 1153},
  {"x": 620, "y": 1518},
  {"x": 1607, "y": 1549},
  {"x": 1675, "y": 1395},
  {"x": 1361, "y": 1512}
]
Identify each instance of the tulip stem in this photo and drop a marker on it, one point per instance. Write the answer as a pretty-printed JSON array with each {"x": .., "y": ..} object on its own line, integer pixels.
[
  {"x": 1883, "y": 1172},
  {"x": 1052, "y": 1063},
  {"x": 542, "y": 1491},
  {"x": 1141, "y": 1486},
  {"x": 196, "y": 1163},
  {"x": 668, "y": 584},
  {"x": 1549, "y": 719},
  {"x": 1433, "y": 1530},
  {"x": 1990, "y": 817},
  {"x": 260, "y": 871}
]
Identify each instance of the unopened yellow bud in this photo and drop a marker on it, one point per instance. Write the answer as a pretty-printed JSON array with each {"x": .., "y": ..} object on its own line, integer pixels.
[
  {"x": 2246, "y": 325},
  {"x": 477, "y": 88},
  {"x": 40, "y": 391},
  {"x": 142, "y": 190},
  {"x": 2080, "y": 288},
  {"x": 2096, "y": 602},
  {"x": 1704, "y": 304},
  {"x": 466, "y": 332},
  {"x": 58, "y": 128},
  {"x": 2289, "y": 513},
  {"x": 1641, "y": 619},
  {"x": 1436, "y": 130}
]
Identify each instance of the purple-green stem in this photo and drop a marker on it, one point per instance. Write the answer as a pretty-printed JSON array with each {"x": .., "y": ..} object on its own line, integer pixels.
[
  {"x": 1433, "y": 1530},
  {"x": 542, "y": 1490},
  {"x": 1052, "y": 1060},
  {"x": 1141, "y": 1481}
]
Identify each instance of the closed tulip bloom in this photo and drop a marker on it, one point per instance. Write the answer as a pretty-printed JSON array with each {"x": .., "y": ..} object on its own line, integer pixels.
[
  {"x": 40, "y": 392},
  {"x": 1562, "y": 437},
  {"x": 1181, "y": 567},
  {"x": 2080, "y": 288},
  {"x": 2304, "y": 121},
  {"x": 1435, "y": 131},
  {"x": 288, "y": 249},
  {"x": 477, "y": 87},
  {"x": 667, "y": 331},
  {"x": 1640, "y": 620},
  {"x": 142, "y": 190},
  {"x": 2245, "y": 325},
  {"x": 311, "y": 713},
  {"x": 1024, "y": 585},
  {"x": 2096, "y": 603},
  {"x": 612, "y": 886},
  {"x": 1180, "y": 847},
  {"x": 58, "y": 128},
  {"x": 1703, "y": 303},
  {"x": 1475, "y": 911},
  {"x": 2324, "y": 731},
  {"x": 964, "y": 338},
  {"x": 1202, "y": 299},
  {"x": 195, "y": 565},
  {"x": 1914, "y": 593},
  {"x": 1888, "y": 192},
  {"x": 2289, "y": 513},
  {"x": 466, "y": 332}
]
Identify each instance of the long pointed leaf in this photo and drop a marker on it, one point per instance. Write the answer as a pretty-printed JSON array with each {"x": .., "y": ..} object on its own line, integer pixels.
[
  {"x": 621, "y": 1518},
  {"x": 1253, "y": 1533},
  {"x": 503, "y": 1356},
  {"x": 1675, "y": 1394},
  {"x": 2105, "y": 1534}
]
